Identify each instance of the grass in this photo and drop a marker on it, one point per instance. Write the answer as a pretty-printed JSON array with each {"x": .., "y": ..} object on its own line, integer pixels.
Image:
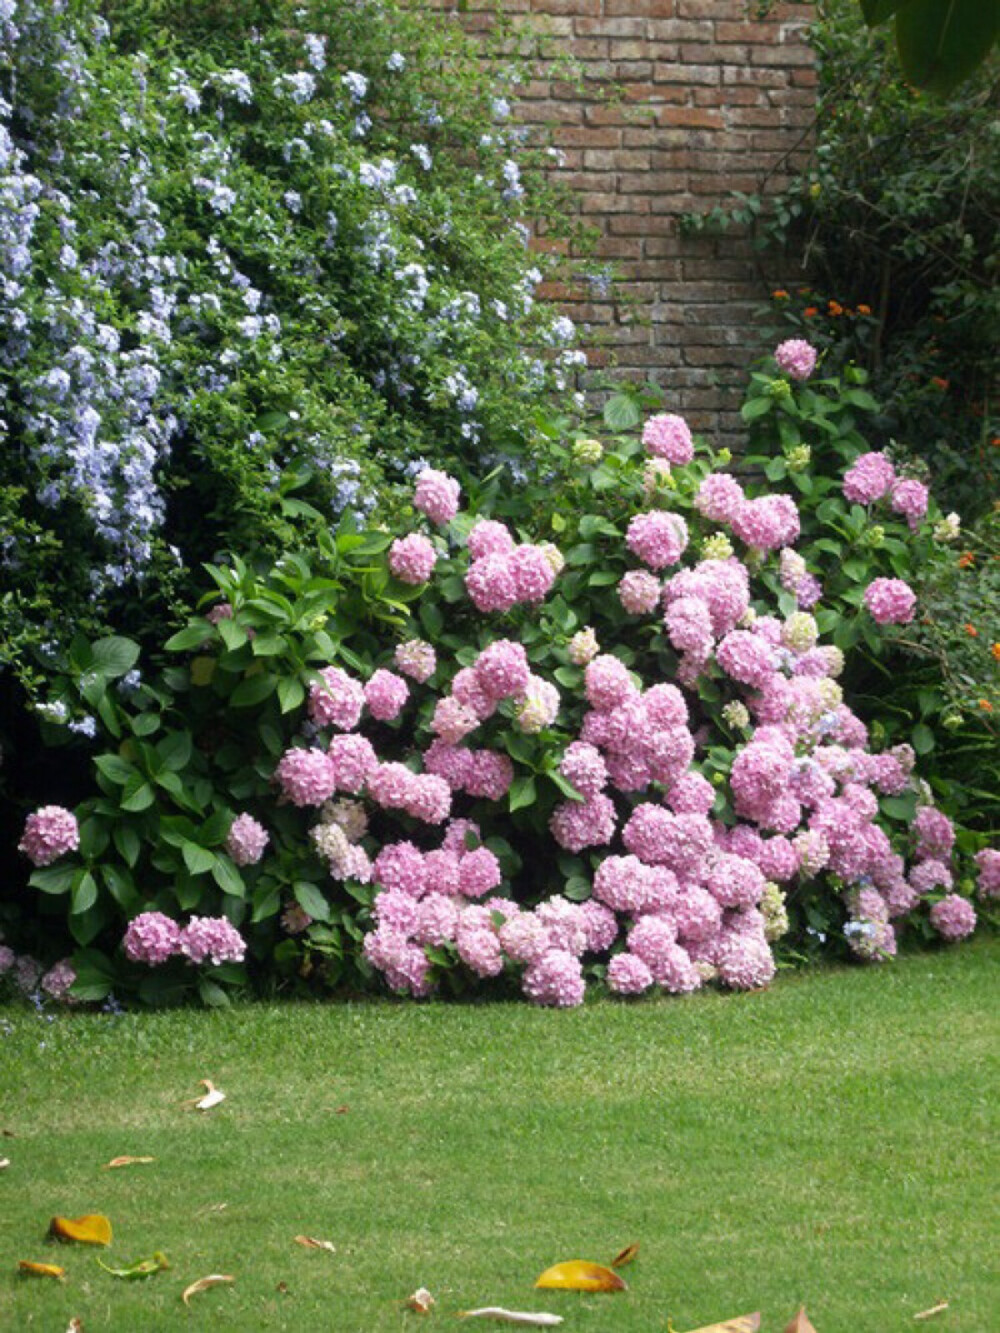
[{"x": 826, "y": 1142}]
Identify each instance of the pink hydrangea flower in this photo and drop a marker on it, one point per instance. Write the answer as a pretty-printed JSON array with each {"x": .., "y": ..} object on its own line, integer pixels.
[
  {"x": 412, "y": 559},
  {"x": 465, "y": 687},
  {"x": 489, "y": 537},
  {"x": 391, "y": 786},
  {"x": 953, "y": 917},
  {"x": 306, "y": 777},
  {"x": 437, "y": 495},
  {"x": 935, "y": 832},
  {"x": 151, "y": 938},
  {"x": 491, "y": 582},
  {"x": 607, "y": 683},
  {"x": 583, "y": 647},
  {"x": 868, "y": 478},
  {"x": 658, "y": 539},
  {"x": 534, "y": 572},
  {"x": 58, "y": 979},
  {"x": 910, "y": 498},
  {"x": 336, "y": 700},
  {"x": 212, "y": 939},
  {"x": 745, "y": 962},
  {"x": 720, "y": 497},
  {"x": 480, "y": 950},
  {"x": 890, "y": 601},
  {"x": 583, "y": 766},
  {"x": 452, "y": 720},
  {"x": 502, "y": 669},
  {"x": 400, "y": 866},
  {"x": 579, "y": 824},
  {"x": 767, "y": 523},
  {"x": 988, "y": 865},
  {"x": 489, "y": 775},
  {"x": 49, "y": 833},
  {"x": 386, "y": 695},
  {"x": 538, "y": 707},
  {"x": 352, "y": 760},
  {"x": 416, "y": 659},
  {"x": 796, "y": 358},
  {"x": 556, "y": 979},
  {"x": 246, "y": 840},
  {"x": 668, "y": 436},
  {"x": 479, "y": 873},
  {"x": 639, "y": 592},
  {"x": 429, "y": 798},
  {"x": 600, "y": 926},
  {"x": 628, "y": 975}
]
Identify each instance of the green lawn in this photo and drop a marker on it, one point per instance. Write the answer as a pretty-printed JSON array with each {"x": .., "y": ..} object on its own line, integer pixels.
[{"x": 829, "y": 1141}]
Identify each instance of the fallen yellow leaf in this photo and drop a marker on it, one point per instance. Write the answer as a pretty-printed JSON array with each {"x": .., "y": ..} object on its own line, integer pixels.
[
  {"x": 93, "y": 1229},
  {"x": 30, "y": 1269},
  {"x": 126, "y": 1161},
  {"x": 625, "y": 1256},
  {"x": 311, "y": 1243},
  {"x": 801, "y": 1323},
  {"x": 421, "y": 1301},
  {"x": 744, "y": 1323},
  {"x": 579, "y": 1275},
  {"x": 203, "y": 1284},
  {"x": 502, "y": 1316}
]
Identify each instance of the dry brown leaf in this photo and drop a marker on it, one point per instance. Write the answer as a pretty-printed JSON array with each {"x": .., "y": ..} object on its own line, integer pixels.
[
  {"x": 282, "y": 1289},
  {"x": 7, "y": 1134},
  {"x": 203, "y": 1284},
  {"x": 801, "y": 1323},
  {"x": 625, "y": 1256},
  {"x": 74, "y": 1326},
  {"x": 421, "y": 1301},
  {"x": 934, "y": 1310},
  {"x": 93, "y": 1229},
  {"x": 342, "y": 1110},
  {"x": 31, "y": 1269},
  {"x": 311, "y": 1243},
  {"x": 502, "y": 1316},
  {"x": 126, "y": 1161},
  {"x": 579, "y": 1275},
  {"x": 744, "y": 1323},
  {"x": 212, "y": 1097}
]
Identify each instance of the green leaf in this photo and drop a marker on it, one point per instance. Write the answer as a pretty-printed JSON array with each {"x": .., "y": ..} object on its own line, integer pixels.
[
  {"x": 291, "y": 693},
  {"x": 95, "y": 975},
  {"x": 922, "y": 738},
  {"x": 137, "y": 794},
  {"x": 900, "y": 807},
  {"x": 621, "y": 413},
  {"x": 756, "y": 407},
  {"x": 941, "y": 42},
  {"x": 192, "y": 636},
  {"x": 54, "y": 879},
  {"x": 776, "y": 469},
  {"x": 522, "y": 793},
  {"x": 175, "y": 750},
  {"x": 567, "y": 788},
  {"x": 266, "y": 902},
  {"x": 577, "y": 889},
  {"x": 144, "y": 724},
  {"x": 311, "y": 900},
  {"x": 84, "y": 894},
  {"x": 253, "y": 690},
  {"x": 115, "y": 768},
  {"x": 114, "y": 656},
  {"x": 228, "y": 878},
  {"x": 211, "y": 994},
  {"x": 126, "y": 840},
  {"x": 199, "y": 860},
  {"x": 215, "y": 828},
  {"x": 432, "y": 619},
  {"x": 122, "y": 888},
  {"x": 878, "y": 11}
]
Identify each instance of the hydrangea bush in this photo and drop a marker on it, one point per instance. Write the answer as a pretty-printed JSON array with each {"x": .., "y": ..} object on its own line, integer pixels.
[{"x": 602, "y": 748}]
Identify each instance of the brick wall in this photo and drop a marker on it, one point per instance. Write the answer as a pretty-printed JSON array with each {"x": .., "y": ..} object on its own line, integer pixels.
[{"x": 709, "y": 100}]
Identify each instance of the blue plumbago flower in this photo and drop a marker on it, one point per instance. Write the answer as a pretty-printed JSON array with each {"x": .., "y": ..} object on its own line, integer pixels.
[
  {"x": 356, "y": 85},
  {"x": 300, "y": 87},
  {"x": 315, "y": 50},
  {"x": 396, "y": 62},
  {"x": 422, "y": 154}
]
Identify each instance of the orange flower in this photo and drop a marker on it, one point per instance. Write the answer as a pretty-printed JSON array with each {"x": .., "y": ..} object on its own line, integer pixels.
[
  {"x": 985, "y": 705},
  {"x": 779, "y": 295},
  {"x": 995, "y": 650},
  {"x": 864, "y": 309},
  {"x": 835, "y": 308},
  {"x": 995, "y": 441},
  {"x": 966, "y": 560},
  {"x": 939, "y": 383},
  {"x": 971, "y": 630},
  {"x": 809, "y": 311}
]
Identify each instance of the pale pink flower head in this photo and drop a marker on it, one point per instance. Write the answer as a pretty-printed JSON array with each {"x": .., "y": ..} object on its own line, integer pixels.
[
  {"x": 306, "y": 777},
  {"x": 416, "y": 659},
  {"x": 538, "y": 707},
  {"x": 491, "y": 582},
  {"x": 49, "y": 833},
  {"x": 151, "y": 938},
  {"x": 465, "y": 687},
  {"x": 212, "y": 939},
  {"x": 489, "y": 537},
  {"x": 412, "y": 559},
  {"x": 745, "y": 962},
  {"x": 657, "y": 538},
  {"x": 890, "y": 601},
  {"x": 452, "y": 720},
  {"x": 720, "y": 497},
  {"x": 58, "y": 979},
  {"x": 429, "y": 798},
  {"x": 579, "y": 824},
  {"x": 400, "y": 867},
  {"x": 935, "y": 832},
  {"x": 556, "y": 979},
  {"x": 768, "y": 522},
  {"x": 583, "y": 647},
  {"x": 437, "y": 495},
  {"x": 628, "y": 975},
  {"x": 796, "y": 358},
  {"x": 220, "y": 611},
  {"x": 988, "y": 865},
  {"x": 352, "y": 760},
  {"x": 534, "y": 573},
  {"x": 668, "y": 436},
  {"x": 868, "y": 478},
  {"x": 953, "y": 917},
  {"x": 246, "y": 840},
  {"x": 639, "y": 592},
  {"x": 386, "y": 694},
  {"x": 583, "y": 766},
  {"x": 910, "y": 498},
  {"x": 502, "y": 669},
  {"x": 607, "y": 683},
  {"x": 336, "y": 700},
  {"x": 489, "y": 775}
]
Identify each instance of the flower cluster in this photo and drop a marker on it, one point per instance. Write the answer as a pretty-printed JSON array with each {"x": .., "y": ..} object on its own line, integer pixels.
[{"x": 153, "y": 937}]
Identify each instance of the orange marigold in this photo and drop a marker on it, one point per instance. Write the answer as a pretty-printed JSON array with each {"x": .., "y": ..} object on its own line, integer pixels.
[
  {"x": 809, "y": 311},
  {"x": 995, "y": 650},
  {"x": 835, "y": 308},
  {"x": 966, "y": 560},
  {"x": 779, "y": 295},
  {"x": 971, "y": 630},
  {"x": 939, "y": 383},
  {"x": 864, "y": 309},
  {"x": 985, "y": 705}
]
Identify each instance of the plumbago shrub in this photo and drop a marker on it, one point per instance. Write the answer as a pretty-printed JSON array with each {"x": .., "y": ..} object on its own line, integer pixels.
[
  {"x": 254, "y": 268},
  {"x": 929, "y": 675},
  {"x": 454, "y": 755}
]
